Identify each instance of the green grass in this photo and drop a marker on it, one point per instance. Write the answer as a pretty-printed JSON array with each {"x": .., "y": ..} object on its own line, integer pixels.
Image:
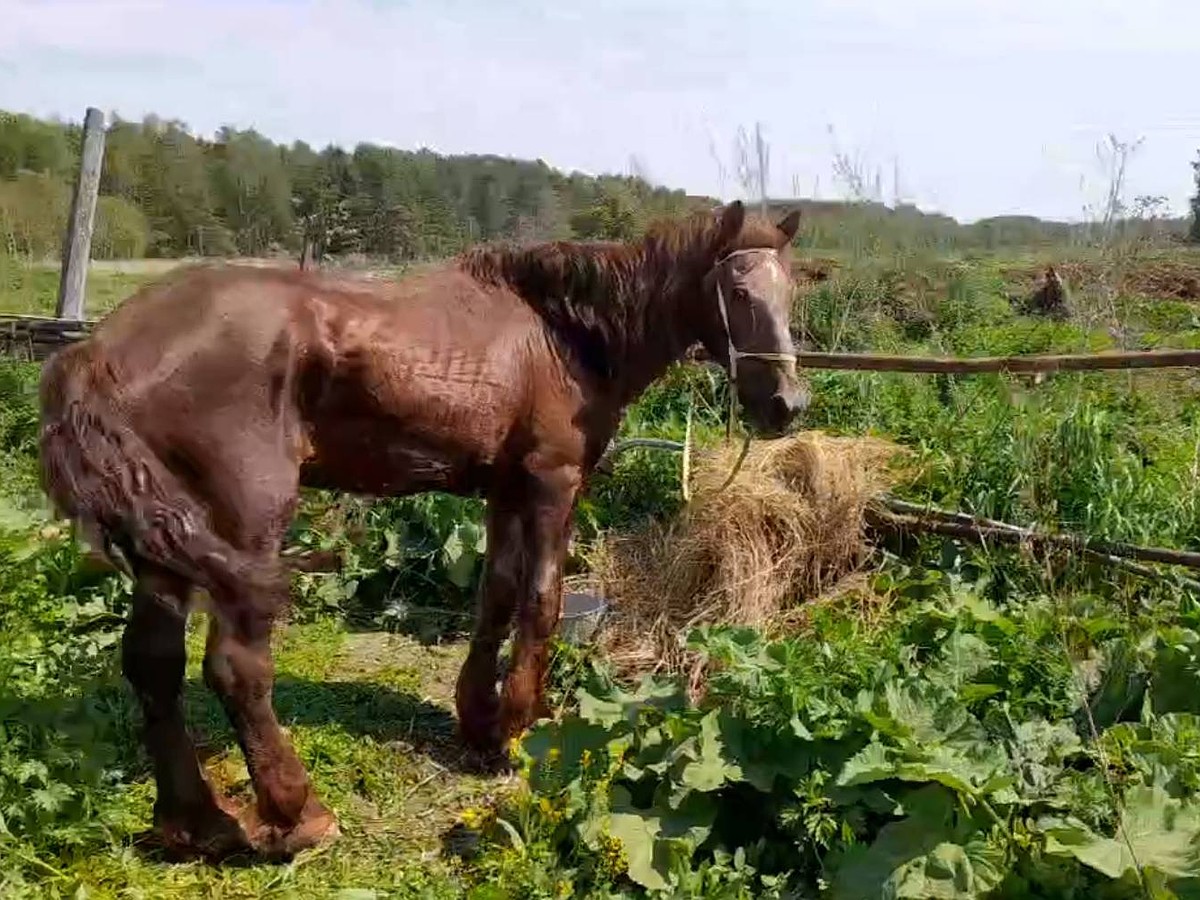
[
  {"x": 32, "y": 289},
  {"x": 370, "y": 715}
]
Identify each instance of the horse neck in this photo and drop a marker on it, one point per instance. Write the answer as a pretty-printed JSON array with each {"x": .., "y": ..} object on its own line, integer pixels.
[{"x": 669, "y": 328}]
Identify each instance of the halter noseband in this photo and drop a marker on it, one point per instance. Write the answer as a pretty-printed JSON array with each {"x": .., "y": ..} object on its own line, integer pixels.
[{"x": 734, "y": 353}]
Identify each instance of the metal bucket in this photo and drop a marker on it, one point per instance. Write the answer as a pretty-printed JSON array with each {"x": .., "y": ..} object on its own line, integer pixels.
[{"x": 581, "y": 616}]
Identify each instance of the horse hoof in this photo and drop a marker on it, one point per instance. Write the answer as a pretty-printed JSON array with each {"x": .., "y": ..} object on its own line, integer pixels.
[
  {"x": 317, "y": 826},
  {"x": 212, "y": 833},
  {"x": 480, "y": 736},
  {"x": 487, "y": 761}
]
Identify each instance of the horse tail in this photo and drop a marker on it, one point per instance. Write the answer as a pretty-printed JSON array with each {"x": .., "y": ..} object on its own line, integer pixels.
[{"x": 98, "y": 471}]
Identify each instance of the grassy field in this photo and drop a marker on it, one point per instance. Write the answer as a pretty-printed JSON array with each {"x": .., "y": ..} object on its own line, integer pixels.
[
  {"x": 31, "y": 289},
  {"x": 967, "y": 722}
]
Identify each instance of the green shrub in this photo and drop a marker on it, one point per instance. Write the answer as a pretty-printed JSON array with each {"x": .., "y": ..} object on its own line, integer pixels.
[{"x": 944, "y": 751}]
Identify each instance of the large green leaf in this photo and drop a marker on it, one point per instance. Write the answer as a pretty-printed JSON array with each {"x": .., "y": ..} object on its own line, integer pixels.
[
  {"x": 765, "y": 754},
  {"x": 1170, "y": 742},
  {"x": 963, "y": 657},
  {"x": 1175, "y": 675},
  {"x": 705, "y": 766},
  {"x": 926, "y": 856},
  {"x": 1122, "y": 683},
  {"x": 638, "y": 834},
  {"x": 652, "y": 839},
  {"x": 1157, "y": 832},
  {"x": 953, "y": 768},
  {"x": 622, "y": 706},
  {"x": 921, "y": 712},
  {"x": 461, "y": 551},
  {"x": 570, "y": 738},
  {"x": 1039, "y": 750}
]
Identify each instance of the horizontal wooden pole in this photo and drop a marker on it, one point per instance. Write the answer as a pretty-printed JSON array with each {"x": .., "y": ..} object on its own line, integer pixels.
[
  {"x": 949, "y": 365},
  {"x": 1072, "y": 362},
  {"x": 957, "y": 524},
  {"x": 861, "y": 362}
]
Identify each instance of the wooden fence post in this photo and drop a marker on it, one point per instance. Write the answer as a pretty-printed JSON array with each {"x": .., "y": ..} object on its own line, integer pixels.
[{"x": 77, "y": 249}]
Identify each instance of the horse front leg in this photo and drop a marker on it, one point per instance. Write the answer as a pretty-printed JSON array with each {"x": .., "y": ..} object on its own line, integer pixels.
[
  {"x": 547, "y": 531},
  {"x": 476, "y": 699}
]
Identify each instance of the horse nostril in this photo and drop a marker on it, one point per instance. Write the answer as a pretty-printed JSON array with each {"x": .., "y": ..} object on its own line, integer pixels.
[
  {"x": 791, "y": 403},
  {"x": 785, "y": 408}
]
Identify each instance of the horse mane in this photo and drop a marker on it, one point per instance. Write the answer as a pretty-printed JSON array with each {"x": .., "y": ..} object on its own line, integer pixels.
[{"x": 602, "y": 296}]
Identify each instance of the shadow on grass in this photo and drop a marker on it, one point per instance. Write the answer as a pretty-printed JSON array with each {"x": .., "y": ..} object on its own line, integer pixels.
[
  {"x": 360, "y": 708},
  {"x": 90, "y": 743}
]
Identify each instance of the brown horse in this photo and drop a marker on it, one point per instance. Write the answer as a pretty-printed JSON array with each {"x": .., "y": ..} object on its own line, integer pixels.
[{"x": 178, "y": 436}]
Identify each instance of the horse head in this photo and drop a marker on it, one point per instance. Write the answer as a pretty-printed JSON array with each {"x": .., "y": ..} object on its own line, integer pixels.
[{"x": 748, "y": 293}]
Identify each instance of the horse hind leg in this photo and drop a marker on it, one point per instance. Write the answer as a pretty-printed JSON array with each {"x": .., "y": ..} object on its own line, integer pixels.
[
  {"x": 188, "y": 815},
  {"x": 287, "y": 816},
  {"x": 249, "y": 496},
  {"x": 255, "y": 507}
]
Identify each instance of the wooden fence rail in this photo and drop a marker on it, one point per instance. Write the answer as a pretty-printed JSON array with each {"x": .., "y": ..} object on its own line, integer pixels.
[
  {"x": 36, "y": 338},
  {"x": 1023, "y": 365},
  {"x": 1031, "y": 364}
]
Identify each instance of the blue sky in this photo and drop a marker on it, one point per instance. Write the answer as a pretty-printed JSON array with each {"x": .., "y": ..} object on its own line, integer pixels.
[{"x": 981, "y": 107}]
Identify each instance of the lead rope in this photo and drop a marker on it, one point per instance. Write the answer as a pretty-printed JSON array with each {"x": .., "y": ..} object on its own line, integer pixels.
[
  {"x": 686, "y": 475},
  {"x": 733, "y": 392},
  {"x": 734, "y": 355}
]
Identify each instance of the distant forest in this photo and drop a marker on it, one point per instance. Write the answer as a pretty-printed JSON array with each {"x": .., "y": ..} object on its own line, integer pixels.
[{"x": 166, "y": 192}]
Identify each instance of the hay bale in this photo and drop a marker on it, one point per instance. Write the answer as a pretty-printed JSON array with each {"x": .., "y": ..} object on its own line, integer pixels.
[{"x": 788, "y": 529}]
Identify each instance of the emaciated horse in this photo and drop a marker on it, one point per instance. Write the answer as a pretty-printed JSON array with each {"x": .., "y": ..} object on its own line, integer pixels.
[{"x": 178, "y": 436}]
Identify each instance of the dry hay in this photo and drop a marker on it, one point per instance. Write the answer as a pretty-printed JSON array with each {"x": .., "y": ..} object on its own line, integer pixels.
[{"x": 789, "y": 528}]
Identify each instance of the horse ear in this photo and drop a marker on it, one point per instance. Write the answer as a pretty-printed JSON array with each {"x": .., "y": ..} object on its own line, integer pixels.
[
  {"x": 732, "y": 217},
  {"x": 789, "y": 224}
]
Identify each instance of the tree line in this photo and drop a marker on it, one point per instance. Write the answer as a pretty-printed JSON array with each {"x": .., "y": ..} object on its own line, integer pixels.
[{"x": 167, "y": 192}]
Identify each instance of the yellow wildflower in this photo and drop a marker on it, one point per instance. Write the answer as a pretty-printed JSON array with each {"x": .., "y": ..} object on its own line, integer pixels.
[
  {"x": 612, "y": 862},
  {"x": 549, "y": 810},
  {"x": 476, "y": 817}
]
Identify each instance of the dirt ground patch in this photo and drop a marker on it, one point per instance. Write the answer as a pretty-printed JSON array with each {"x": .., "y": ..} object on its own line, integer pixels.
[{"x": 372, "y": 717}]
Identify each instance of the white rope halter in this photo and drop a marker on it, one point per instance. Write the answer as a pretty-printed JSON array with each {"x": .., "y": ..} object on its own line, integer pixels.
[{"x": 734, "y": 353}]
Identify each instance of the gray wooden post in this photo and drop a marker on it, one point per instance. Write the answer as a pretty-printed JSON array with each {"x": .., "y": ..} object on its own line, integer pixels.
[{"x": 78, "y": 245}]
